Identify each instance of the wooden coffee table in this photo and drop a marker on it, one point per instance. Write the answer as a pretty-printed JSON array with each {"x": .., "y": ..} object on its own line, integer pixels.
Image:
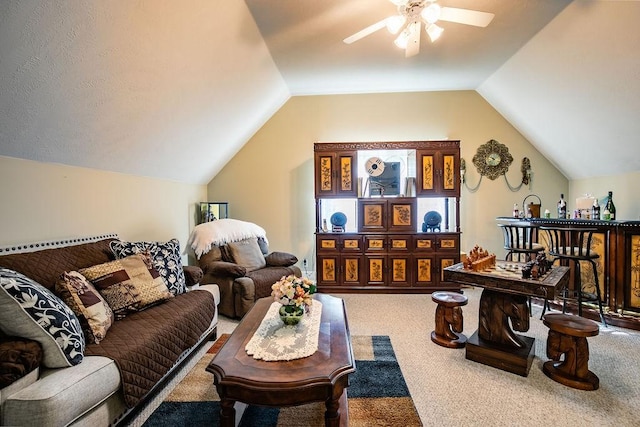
[{"x": 321, "y": 377}]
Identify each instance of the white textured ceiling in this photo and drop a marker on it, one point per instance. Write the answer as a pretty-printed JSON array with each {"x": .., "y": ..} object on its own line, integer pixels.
[{"x": 173, "y": 89}]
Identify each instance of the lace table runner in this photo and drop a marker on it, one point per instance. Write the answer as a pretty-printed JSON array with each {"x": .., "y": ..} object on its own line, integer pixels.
[{"x": 274, "y": 341}]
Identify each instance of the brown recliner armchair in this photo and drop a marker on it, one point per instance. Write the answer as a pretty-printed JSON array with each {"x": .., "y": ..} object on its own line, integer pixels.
[{"x": 244, "y": 271}]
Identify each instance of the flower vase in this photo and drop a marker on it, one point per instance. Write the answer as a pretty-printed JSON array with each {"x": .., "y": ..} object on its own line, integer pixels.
[{"x": 291, "y": 314}]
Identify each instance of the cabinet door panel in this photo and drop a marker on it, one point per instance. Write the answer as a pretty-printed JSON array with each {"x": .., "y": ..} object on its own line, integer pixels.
[
  {"x": 445, "y": 261},
  {"x": 351, "y": 270},
  {"x": 376, "y": 266},
  {"x": 423, "y": 266},
  {"x": 400, "y": 271},
  {"x": 328, "y": 269}
]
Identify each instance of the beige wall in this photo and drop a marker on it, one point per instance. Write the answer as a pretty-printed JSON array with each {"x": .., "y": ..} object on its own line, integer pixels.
[
  {"x": 626, "y": 195},
  {"x": 270, "y": 181},
  {"x": 45, "y": 201}
]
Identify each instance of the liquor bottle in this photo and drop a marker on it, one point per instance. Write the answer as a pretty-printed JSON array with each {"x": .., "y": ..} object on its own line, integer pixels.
[
  {"x": 529, "y": 213},
  {"x": 562, "y": 208},
  {"x": 610, "y": 206},
  {"x": 516, "y": 211},
  {"x": 595, "y": 210}
]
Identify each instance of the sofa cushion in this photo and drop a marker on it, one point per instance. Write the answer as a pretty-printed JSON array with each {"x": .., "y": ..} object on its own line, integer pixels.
[
  {"x": 147, "y": 344},
  {"x": 83, "y": 298},
  {"x": 165, "y": 256},
  {"x": 280, "y": 259},
  {"x": 128, "y": 284},
  {"x": 18, "y": 357},
  {"x": 29, "y": 310},
  {"x": 62, "y": 395},
  {"x": 246, "y": 253}
]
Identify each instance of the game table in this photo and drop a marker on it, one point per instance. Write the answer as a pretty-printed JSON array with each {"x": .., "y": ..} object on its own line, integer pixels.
[{"x": 505, "y": 297}]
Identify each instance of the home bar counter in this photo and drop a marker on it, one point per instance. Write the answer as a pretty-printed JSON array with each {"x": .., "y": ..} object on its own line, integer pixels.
[{"x": 618, "y": 244}]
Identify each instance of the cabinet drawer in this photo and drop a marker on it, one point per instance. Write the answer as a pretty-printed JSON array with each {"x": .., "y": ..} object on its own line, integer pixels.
[
  {"x": 374, "y": 243},
  {"x": 399, "y": 243},
  {"x": 424, "y": 243},
  {"x": 450, "y": 242},
  {"x": 327, "y": 243}
]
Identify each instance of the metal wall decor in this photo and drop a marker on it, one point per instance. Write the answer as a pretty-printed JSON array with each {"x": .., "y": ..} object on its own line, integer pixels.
[{"x": 492, "y": 160}]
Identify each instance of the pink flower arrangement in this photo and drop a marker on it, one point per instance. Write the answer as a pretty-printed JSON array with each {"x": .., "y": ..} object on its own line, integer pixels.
[{"x": 293, "y": 291}]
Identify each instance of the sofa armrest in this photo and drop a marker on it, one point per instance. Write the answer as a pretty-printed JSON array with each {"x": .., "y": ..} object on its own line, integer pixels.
[
  {"x": 223, "y": 268},
  {"x": 280, "y": 259},
  {"x": 193, "y": 274}
]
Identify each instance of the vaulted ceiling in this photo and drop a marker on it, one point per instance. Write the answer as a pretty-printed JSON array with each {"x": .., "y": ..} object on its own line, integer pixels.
[{"x": 173, "y": 89}]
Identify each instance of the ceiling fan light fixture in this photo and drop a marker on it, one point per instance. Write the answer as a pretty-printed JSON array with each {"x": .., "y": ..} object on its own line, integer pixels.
[
  {"x": 431, "y": 13},
  {"x": 403, "y": 39},
  {"x": 395, "y": 23},
  {"x": 434, "y": 32}
]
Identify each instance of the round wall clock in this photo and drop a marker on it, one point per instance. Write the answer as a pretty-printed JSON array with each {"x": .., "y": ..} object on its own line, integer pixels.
[{"x": 492, "y": 159}]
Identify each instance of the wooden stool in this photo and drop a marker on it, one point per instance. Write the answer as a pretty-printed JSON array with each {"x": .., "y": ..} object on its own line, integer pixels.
[
  {"x": 449, "y": 319},
  {"x": 567, "y": 335}
]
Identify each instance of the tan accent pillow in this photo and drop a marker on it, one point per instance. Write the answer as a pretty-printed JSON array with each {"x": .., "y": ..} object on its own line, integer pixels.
[
  {"x": 247, "y": 254},
  {"x": 128, "y": 284},
  {"x": 92, "y": 310}
]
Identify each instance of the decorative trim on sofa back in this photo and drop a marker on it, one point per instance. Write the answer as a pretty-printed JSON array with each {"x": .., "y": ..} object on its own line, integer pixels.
[{"x": 52, "y": 244}]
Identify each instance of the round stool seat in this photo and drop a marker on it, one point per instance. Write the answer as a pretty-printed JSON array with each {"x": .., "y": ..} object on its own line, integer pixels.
[
  {"x": 449, "y": 319},
  {"x": 449, "y": 299},
  {"x": 571, "y": 325},
  {"x": 568, "y": 336}
]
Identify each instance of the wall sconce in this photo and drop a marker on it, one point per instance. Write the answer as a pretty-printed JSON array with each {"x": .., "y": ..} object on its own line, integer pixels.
[
  {"x": 525, "y": 168},
  {"x": 526, "y": 171}
]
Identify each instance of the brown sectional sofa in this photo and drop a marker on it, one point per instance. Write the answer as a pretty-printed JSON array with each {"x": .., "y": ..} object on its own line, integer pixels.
[{"x": 137, "y": 354}]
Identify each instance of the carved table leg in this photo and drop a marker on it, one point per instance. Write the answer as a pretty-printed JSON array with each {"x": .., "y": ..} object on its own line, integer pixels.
[
  {"x": 332, "y": 414},
  {"x": 227, "y": 413},
  {"x": 496, "y": 308}
]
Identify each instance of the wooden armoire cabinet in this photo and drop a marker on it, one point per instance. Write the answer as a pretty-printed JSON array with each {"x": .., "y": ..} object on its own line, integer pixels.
[{"x": 385, "y": 246}]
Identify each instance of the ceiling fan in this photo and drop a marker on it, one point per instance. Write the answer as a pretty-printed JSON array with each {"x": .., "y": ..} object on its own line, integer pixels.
[{"x": 413, "y": 14}]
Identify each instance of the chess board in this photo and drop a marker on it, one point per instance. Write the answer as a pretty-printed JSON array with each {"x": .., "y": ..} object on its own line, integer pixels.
[{"x": 507, "y": 277}]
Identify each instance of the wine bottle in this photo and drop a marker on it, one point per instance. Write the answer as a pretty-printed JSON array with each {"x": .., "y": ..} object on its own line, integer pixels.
[
  {"x": 562, "y": 208},
  {"x": 610, "y": 206},
  {"x": 595, "y": 210},
  {"x": 516, "y": 211}
]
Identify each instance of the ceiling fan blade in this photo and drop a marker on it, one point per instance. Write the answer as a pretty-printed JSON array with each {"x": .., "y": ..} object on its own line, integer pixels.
[
  {"x": 466, "y": 16},
  {"x": 366, "y": 31},
  {"x": 413, "y": 44}
]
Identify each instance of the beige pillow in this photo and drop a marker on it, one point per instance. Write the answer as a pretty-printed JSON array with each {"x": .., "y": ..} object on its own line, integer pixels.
[
  {"x": 247, "y": 254},
  {"x": 92, "y": 310},
  {"x": 128, "y": 284}
]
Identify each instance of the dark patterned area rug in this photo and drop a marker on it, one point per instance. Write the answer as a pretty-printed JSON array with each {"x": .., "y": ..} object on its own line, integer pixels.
[{"x": 377, "y": 395}]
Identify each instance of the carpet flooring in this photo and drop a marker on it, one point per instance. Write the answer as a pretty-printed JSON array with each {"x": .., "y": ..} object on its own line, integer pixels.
[
  {"x": 450, "y": 391},
  {"x": 377, "y": 395}
]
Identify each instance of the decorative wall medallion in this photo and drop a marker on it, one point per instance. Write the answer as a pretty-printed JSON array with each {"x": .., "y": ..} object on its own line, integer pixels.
[{"x": 492, "y": 159}]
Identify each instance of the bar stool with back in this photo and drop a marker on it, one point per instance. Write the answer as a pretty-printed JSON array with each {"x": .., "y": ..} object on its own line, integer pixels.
[
  {"x": 520, "y": 239},
  {"x": 571, "y": 245}
]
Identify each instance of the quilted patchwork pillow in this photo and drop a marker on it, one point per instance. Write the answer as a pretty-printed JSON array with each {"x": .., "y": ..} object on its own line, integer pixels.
[
  {"x": 92, "y": 310},
  {"x": 129, "y": 284},
  {"x": 165, "y": 257},
  {"x": 29, "y": 310}
]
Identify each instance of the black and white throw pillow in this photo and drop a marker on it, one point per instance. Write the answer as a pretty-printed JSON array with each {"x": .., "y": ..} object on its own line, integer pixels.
[{"x": 29, "y": 310}]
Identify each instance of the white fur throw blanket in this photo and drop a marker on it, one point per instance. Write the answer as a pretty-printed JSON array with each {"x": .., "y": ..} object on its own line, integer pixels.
[{"x": 220, "y": 232}]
